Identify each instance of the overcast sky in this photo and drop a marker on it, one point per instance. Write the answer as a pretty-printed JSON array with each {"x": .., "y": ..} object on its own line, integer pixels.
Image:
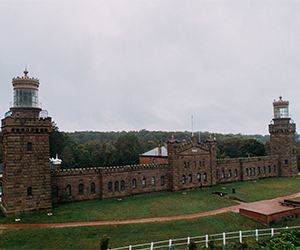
[{"x": 152, "y": 64}]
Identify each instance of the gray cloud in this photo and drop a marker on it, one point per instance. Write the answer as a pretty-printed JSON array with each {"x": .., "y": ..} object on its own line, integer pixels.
[{"x": 130, "y": 65}]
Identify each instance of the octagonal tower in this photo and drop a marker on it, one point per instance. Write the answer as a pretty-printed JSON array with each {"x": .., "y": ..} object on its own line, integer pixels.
[
  {"x": 282, "y": 135},
  {"x": 26, "y": 169}
]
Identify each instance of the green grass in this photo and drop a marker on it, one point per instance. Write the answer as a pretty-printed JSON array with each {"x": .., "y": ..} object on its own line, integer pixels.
[
  {"x": 162, "y": 204},
  {"x": 122, "y": 235}
]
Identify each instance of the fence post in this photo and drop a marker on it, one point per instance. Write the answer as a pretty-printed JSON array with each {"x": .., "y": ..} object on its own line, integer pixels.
[
  {"x": 206, "y": 241},
  {"x": 224, "y": 239},
  {"x": 130, "y": 247},
  {"x": 151, "y": 246},
  {"x": 241, "y": 240},
  {"x": 170, "y": 243},
  {"x": 188, "y": 240},
  {"x": 272, "y": 232},
  {"x": 256, "y": 234}
]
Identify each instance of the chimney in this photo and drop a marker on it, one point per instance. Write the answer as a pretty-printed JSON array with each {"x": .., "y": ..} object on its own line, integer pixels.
[{"x": 159, "y": 150}]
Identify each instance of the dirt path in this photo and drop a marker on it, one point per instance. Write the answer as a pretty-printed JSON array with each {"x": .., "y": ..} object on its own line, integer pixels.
[{"x": 273, "y": 203}]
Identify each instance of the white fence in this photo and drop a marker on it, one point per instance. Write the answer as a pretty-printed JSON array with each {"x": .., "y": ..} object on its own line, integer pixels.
[{"x": 204, "y": 239}]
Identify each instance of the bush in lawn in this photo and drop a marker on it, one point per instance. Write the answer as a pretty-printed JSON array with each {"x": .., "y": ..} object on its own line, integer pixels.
[
  {"x": 192, "y": 245},
  {"x": 104, "y": 242}
]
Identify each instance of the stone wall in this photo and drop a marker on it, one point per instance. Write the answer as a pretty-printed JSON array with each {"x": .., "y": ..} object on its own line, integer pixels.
[{"x": 107, "y": 183}]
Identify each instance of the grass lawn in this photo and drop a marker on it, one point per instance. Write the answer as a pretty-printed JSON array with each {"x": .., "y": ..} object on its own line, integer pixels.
[
  {"x": 163, "y": 204},
  {"x": 122, "y": 235}
]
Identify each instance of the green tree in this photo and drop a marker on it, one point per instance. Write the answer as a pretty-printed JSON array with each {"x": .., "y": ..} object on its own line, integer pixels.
[{"x": 127, "y": 150}]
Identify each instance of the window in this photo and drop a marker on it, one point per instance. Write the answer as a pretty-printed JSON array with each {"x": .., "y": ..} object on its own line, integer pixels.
[
  {"x": 110, "y": 186},
  {"x": 253, "y": 171},
  {"x": 199, "y": 164},
  {"x": 183, "y": 179},
  {"x": 235, "y": 172},
  {"x": 205, "y": 177},
  {"x": 188, "y": 164},
  {"x": 249, "y": 171},
  {"x": 286, "y": 161},
  {"x": 29, "y": 146},
  {"x": 264, "y": 169},
  {"x": 55, "y": 191},
  {"x": 134, "y": 183},
  {"x": 190, "y": 178},
  {"x": 223, "y": 174},
  {"x": 93, "y": 188},
  {"x": 29, "y": 191},
  {"x": 184, "y": 164},
  {"x": 269, "y": 167},
  {"x": 153, "y": 181},
  {"x": 258, "y": 170},
  {"x": 162, "y": 180},
  {"x": 122, "y": 185},
  {"x": 246, "y": 171},
  {"x": 202, "y": 163},
  {"x": 144, "y": 182},
  {"x": 80, "y": 189},
  {"x": 274, "y": 168},
  {"x": 217, "y": 174},
  {"x": 229, "y": 173},
  {"x": 199, "y": 177},
  {"x": 116, "y": 186},
  {"x": 68, "y": 190}
]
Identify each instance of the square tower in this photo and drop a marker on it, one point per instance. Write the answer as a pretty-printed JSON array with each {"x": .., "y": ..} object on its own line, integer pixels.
[
  {"x": 26, "y": 184},
  {"x": 282, "y": 135}
]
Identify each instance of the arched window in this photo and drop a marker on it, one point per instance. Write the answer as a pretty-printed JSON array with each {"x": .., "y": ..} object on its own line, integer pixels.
[
  {"x": 229, "y": 173},
  {"x": 190, "y": 178},
  {"x": 199, "y": 177},
  {"x": 55, "y": 191},
  {"x": 286, "y": 161},
  {"x": 144, "y": 182},
  {"x": 199, "y": 164},
  {"x": 68, "y": 190},
  {"x": 205, "y": 177},
  {"x": 110, "y": 186},
  {"x": 269, "y": 168},
  {"x": 202, "y": 163},
  {"x": 184, "y": 164},
  {"x": 134, "y": 183},
  {"x": 223, "y": 174},
  {"x": 29, "y": 191},
  {"x": 29, "y": 146},
  {"x": 258, "y": 170},
  {"x": 153, "y": 181},
  {"x": 274, "y": 168},
  {"x": 122, "y": 185},
  {"x": 183, "y": 179},
  {"x": 253, "y": 171},
  {"x": 80, "y": 189},
  {"x": 93, "y": 188},
  {"x": 246, "y": 171},
  {"x": 235, "y": 172},
  {"x": 116, "y": 186},
  {"x": 162, "y": 180},
  {"x": 264, "y": 169},
  {"x": 188, "y": 164}
]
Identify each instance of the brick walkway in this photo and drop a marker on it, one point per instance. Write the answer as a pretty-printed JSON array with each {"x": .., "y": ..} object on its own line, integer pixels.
[{"x": 265, "y": 206}]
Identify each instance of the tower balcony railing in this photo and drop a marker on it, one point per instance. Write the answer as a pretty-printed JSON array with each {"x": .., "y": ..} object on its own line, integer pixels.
[{"x": 25, "y": 105}]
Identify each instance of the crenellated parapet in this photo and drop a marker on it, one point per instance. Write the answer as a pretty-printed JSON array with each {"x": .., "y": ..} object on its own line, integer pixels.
[
  {"x": 26, "y": 125},
  {"x": 247, "y": 159},
  {"x": 114, "y": 169}
]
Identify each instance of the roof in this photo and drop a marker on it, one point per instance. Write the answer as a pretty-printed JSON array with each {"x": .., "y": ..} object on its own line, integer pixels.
[{"x": 154, "y": 152}]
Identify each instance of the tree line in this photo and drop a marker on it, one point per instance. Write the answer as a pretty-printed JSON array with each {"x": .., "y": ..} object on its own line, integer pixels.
[{"x": 100, "y": 149}]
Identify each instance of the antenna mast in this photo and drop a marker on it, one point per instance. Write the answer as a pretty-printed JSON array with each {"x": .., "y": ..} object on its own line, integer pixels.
[{"x": 192, "y": 127}]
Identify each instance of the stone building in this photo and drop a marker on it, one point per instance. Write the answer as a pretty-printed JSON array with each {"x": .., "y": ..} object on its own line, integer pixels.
[{"x": 29, "y": 184}]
